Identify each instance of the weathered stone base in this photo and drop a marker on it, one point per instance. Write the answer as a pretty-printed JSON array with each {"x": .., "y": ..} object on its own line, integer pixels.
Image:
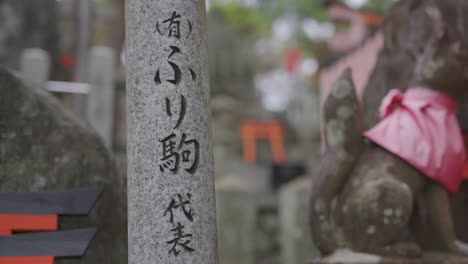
[{"x": 346, "y": 256}]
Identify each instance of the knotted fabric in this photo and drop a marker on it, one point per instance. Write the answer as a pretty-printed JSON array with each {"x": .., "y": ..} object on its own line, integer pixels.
[{"x": 421, "y": 128}]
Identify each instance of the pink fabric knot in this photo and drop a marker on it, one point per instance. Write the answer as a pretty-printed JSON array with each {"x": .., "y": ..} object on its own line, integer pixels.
[
  {"x": 393, "y": 99},
  {"x": 421, "y": 128}
]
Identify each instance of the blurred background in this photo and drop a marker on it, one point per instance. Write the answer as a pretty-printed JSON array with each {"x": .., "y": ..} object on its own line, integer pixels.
[{"x": 271, "y": 65}]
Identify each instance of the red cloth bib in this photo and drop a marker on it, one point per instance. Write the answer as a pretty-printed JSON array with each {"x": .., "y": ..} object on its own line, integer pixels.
[{"x": 420, "y": 127}]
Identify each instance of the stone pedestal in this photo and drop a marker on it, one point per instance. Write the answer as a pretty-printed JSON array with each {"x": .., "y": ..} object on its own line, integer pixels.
[
  {"x": 346, "y": 256},
  {"x": 296, "y": 243},
  {"x": 237, "y": 219},
  {"x": 172, "y": 216}
]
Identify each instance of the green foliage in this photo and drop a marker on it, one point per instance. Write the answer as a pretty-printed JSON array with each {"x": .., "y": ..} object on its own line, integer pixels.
[
  {"x": 259, "y": 19},
  {"x": 378, "y": 6},
  {"x": 311, "y": 9},
  {"x": 303, "y": 8},
  {"x": 244, "y": 18}
]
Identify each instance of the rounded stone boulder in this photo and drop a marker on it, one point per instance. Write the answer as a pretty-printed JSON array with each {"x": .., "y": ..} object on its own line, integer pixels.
[{"x": 43, "y": 146}]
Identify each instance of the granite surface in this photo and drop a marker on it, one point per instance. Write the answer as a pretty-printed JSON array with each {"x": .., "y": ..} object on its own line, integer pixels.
[{"x": 172, "y": 216}]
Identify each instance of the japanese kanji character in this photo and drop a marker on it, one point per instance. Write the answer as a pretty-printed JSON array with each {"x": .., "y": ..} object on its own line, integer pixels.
[
  {"x": 173, "y": 25},
  {"x": 180, "y": 240},
  {"x": 172, "y": 154},
  {"x": 182, "y": 204}
]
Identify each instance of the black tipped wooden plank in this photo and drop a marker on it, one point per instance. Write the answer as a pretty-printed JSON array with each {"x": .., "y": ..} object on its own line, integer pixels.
[
  {"x": 71, "y": 243},
  {"x": 69, "y": 202}
]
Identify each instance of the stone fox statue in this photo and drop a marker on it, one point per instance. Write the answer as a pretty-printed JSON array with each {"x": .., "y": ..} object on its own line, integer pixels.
[{"x": 365, "y": 197}]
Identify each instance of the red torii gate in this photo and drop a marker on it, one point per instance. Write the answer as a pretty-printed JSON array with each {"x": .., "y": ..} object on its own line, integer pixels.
[{"x": 251, "y": 131}]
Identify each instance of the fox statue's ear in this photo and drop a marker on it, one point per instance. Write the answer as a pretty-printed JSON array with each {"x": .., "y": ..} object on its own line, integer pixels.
[{"x": 341, "y": 112}]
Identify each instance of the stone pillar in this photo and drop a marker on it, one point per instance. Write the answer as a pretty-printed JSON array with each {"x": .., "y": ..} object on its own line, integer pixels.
[
  {"x": 35, "y": 66},
  {"x": 296, "y": 243},
  {"x": 83, "y": 20},
  {"x": 172, "y": 216},
  {"x": 237, "y": 220},
  {"x": 100, "y": 100}
]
